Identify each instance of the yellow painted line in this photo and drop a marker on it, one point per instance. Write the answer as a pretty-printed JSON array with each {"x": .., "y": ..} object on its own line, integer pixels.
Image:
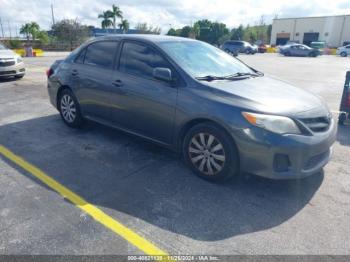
[{"x": 133, "y": 238}]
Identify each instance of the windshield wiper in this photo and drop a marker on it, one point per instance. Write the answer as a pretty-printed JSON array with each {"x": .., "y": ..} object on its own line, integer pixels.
[
  {"x": 211, "y": 78},
  {"x": 240, "y": 74},
  {"x": 235, "y": 76}
]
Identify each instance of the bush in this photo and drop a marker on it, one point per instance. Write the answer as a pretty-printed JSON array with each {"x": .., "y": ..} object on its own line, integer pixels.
[{"x": 14, "y": 43}]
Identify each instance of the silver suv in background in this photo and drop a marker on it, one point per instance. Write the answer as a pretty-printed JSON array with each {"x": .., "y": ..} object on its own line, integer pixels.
[
  {"x": 343, "y": 51},
  {"x": 11, "y": 64},
  {"x": 234, "y": 47}
]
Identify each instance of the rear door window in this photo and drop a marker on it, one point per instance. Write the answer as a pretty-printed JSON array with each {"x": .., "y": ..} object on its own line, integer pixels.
[{"x": 101, "y": 54}]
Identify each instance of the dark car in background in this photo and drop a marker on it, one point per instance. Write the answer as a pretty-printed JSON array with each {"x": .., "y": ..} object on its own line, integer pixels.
[
  {"x": 235, "y": 47},
  {"x": 299, "y": 50},
  {"x": 221, "y": 114}
]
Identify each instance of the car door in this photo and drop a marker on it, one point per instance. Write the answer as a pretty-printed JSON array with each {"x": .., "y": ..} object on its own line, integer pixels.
[
  {"x": 304, "y": 51},
  {"x": 94, "y": 74},
  {"x": 143, "y": 104}
]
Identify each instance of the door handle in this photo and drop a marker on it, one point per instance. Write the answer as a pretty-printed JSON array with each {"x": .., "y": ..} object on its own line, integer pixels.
[
  {"x": 74, "y": 72},
  {"x": 118, "y": 83}
]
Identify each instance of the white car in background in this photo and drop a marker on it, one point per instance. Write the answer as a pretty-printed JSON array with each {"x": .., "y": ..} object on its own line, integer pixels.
[
  {"x": 343, "y": 51},
  {"x": 11, "y": 64}
]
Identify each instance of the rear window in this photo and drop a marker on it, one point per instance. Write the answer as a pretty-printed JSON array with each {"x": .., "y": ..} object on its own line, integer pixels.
[{"x": 100, "y": 54}]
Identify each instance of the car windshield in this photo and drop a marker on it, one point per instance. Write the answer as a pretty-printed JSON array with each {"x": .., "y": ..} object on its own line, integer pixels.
[
  {"x": 2, "y": 47},
  {"x": 200, "y": 59}
]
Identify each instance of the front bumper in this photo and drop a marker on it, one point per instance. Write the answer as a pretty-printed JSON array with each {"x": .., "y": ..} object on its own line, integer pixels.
[
  {"x": 284, "y": 156},
  {"x": 15, "y": 70}
]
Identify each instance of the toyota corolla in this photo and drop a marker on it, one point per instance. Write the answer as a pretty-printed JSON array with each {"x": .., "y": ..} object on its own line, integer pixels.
[{"x": 221, "y": 114}]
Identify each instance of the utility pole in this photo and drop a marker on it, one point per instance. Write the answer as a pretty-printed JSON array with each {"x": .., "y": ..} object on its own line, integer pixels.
[
  {"x": 2, "y": 29},
  {"x": 8, "y": 22},
  {"x": 53, "y": 16}
]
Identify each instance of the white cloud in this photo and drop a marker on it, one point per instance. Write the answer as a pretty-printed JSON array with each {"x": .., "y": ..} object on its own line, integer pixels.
[{"x": 164, "y": 13}]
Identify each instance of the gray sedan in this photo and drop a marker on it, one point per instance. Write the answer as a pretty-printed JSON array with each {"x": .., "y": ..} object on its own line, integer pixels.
[
  {"x": 221, "y": 114},
  {"x": 299, "y": 50}
]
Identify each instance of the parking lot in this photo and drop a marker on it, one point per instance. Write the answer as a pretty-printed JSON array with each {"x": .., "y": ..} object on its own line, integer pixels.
[{"x": 149, "y": 191}]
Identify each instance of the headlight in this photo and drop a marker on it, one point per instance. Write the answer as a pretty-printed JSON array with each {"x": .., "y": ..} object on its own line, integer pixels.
[
  {"x": 276, "y": 124},
  {"x": 19, "y": 60}
]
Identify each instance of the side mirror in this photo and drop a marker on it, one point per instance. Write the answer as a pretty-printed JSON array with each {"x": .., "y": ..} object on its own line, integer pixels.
[{"x": 163, "y": 74}]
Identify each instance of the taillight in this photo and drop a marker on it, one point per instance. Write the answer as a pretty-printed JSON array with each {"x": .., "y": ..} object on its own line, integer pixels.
[
  {"x": 49, "y": 72},
  {"x": 348, "y": 100}
]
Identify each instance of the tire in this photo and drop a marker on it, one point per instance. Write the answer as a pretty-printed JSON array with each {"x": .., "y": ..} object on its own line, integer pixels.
[
  {"x": 247, "y": 51},
  {"x": 343, "y": 54},
  {"x": 19, "y": 76},
  {"x": 313, "y": 54},
  {"x": 69, "y": 109},
  {"x": 218, "y": 160},
  {"x": 342, "y": 119}
]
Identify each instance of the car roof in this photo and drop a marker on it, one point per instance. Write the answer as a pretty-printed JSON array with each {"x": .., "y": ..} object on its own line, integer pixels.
[{"x": 146, "y": 37}]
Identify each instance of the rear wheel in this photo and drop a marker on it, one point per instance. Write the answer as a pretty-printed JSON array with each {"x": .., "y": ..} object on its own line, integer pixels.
[
  {"x": 19, "y": 76},
  {"x": 342, "y": 118},
  {"x": 343, "y": 54},
  {"x": 69, "y": 109},
  {"x": 313, "y": 54},
  {"x": 210, "y": 152}
]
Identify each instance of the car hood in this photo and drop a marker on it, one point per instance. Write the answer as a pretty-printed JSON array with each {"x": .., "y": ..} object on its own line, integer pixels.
[
  {"x": 7, "y": 53},
  {"x": 269, "y": 95}
]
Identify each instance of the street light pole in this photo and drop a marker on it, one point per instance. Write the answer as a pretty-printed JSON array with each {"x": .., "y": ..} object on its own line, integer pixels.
[{"x": 2, "y": 29}]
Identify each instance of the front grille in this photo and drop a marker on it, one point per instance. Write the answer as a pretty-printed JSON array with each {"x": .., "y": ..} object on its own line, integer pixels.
[
  {"x": 7, "y": 63},
  {"x": 7, "y": 73},
  {"x": 318, "y": 124}
]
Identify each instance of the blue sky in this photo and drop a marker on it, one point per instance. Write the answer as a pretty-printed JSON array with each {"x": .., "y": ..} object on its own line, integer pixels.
[{"x": 164, "y": 13}]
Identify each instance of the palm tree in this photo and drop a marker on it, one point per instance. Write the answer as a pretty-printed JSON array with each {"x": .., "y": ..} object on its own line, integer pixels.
[
  {"x": 106, "y": 21},
  {"x": 35, "y": 29},
  {"x": 25, "y": 29},
  {"x": 124, "y": 25},
  {"x": 30, "y": 29},
  {"x": 114, "y": 13}
]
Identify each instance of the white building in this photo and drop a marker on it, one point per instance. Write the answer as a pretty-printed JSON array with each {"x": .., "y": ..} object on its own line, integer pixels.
[{"x": 334, "y": 30}]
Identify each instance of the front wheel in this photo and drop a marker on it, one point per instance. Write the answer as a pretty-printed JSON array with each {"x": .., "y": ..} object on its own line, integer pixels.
[
  {"x": 69, "y": 109},
  {"x": 343, "y": 54},
  {"x": 210, "y": 152}
]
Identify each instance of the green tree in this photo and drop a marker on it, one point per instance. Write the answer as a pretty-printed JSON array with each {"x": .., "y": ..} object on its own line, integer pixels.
[
  {"x": 237, "y": 33},
  {"x": 114, "y": 14},
  {"x": 70, "y": 32},
  {"x": 30, "y": 29},
  {"x": 144, "y": 28},
  {"x": 185, "y": 32},
  {"x": 172, "y": 32},
  {"x": 106, "y": 19},
  {"x": 43, "y": 37},
  {"x": 124, "y": 25}
]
